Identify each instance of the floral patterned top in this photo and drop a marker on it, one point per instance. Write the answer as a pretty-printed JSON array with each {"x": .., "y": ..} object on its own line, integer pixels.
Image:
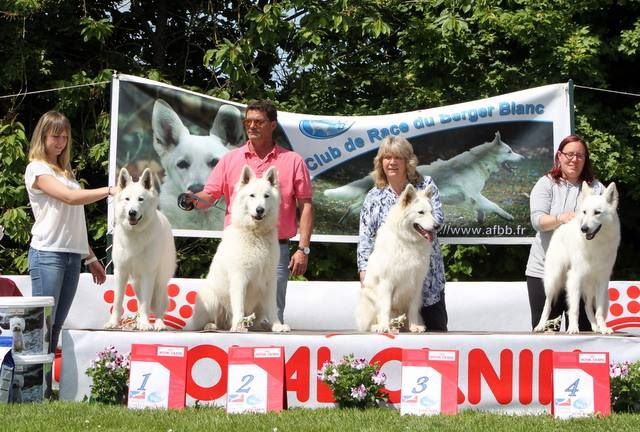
[{"x": 374, "y": 211}]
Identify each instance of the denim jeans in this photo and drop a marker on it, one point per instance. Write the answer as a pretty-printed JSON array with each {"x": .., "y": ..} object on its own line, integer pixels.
[
  {"x": 283, "y": 278},
  {"x": 55, "y": 274}
]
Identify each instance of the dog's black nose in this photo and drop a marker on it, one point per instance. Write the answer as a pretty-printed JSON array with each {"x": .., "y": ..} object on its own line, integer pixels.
[
  {"x": 195, "y": 188},
  {"x": 260, "y": 211},
  {"x": 132, "y": 213},
  {"x": 584, "y": 228}
]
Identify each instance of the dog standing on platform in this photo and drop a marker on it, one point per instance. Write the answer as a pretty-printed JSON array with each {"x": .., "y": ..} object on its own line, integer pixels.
[
  {"x": 243, "y": 272},
  {"x": 398, "y": 264},
  {"x": 143, "y": 250},
  {"x": 580, "y": 258}
]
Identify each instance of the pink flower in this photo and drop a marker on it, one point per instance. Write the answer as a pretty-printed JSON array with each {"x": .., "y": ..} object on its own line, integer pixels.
[{"x": 359, "y": 393}]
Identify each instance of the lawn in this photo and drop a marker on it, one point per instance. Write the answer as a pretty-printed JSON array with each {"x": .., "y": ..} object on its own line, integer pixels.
[{"x": 76, "y": 416}]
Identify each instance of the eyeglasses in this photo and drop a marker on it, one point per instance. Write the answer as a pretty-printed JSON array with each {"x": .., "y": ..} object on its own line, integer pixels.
[
  {"x": 256, "y": 122},
  {"x": 571, "y": 155}
]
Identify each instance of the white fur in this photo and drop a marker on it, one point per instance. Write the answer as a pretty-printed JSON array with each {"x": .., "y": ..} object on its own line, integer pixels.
[
  {"x": 582, "y": 265},
  {"x": 17, "y": 326},
  {"x": 460, "y": 179},
  {"x": 398, "y": 265},
  {"x": 188, "y": 159},
  {"x": 243, "y": 273},
  {"x": 143, "y": 250}
]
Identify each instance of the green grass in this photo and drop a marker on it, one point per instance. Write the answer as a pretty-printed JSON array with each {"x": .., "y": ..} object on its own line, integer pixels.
[{"x": 76, "y": 416}]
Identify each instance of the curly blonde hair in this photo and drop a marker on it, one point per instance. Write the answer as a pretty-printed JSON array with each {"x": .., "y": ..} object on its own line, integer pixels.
[
  {"x": 52, "y": 123},
  {"x": 395, "y": 146}
]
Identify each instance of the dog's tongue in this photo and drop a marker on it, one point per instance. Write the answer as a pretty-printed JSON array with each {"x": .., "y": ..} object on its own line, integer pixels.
[
  {"x": 423, "y": 232},
  {"x": 133, "y": 221}
]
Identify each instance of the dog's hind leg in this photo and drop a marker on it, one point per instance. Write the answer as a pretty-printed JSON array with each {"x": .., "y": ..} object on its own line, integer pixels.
[
  {"x": 602, "y": 307},
  {"x": 384, "y": 292}
]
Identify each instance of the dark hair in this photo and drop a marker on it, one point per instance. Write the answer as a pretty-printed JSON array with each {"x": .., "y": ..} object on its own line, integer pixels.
[
  {"x": 587, "y": 170},
  {"x": 266, "y": 106}
]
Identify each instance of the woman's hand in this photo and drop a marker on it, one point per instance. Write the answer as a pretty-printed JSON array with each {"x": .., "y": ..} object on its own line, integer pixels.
[{"x": 98, "y": 272}]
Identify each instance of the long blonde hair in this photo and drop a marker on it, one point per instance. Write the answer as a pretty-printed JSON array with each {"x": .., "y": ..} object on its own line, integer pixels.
[
  {"x": 52, "y": 123},
  {"x": 395, "y": 146}
]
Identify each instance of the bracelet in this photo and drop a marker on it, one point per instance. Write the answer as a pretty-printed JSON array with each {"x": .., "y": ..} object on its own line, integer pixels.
[
  {"x": 90, "y": 260},
  {"x": 109, "y": 191}
]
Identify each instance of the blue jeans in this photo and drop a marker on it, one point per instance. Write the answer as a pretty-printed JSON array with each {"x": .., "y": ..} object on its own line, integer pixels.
[
  {"x": 283, "y": 278},
  {"x": 55, "y": 274}
]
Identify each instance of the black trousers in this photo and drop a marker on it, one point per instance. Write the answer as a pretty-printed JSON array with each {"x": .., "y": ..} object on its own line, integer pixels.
[
  {"x": 435, "y": 316},
  {"x": 535, "y": 287}
]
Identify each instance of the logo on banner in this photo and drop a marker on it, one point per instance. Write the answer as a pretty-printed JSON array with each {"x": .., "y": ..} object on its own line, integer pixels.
[
  {"x": 236, "y": 398},
  {"x": 137, "y": 394},
  {"x": 179, "y": 309},
  {"x": 323, "y": 129},
  {"x": 624, "y": 307}
]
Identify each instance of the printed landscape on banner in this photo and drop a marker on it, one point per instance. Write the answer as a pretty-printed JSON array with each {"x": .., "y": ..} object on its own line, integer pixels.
[{"x": 484, "y": 155}]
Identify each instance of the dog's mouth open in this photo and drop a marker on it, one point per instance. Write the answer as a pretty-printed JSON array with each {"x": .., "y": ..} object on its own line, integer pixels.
[
  {"x": 134, "y": 220},
  {"x": 423, "y": 232},
  {"x": 591, "y": 235},
  {"x": 508, "y": 167}
]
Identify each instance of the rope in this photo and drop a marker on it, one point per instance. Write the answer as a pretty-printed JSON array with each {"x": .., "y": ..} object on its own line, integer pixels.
[
  {"x": 53, "y": 89},
  {"x": 608, "y": 91}
]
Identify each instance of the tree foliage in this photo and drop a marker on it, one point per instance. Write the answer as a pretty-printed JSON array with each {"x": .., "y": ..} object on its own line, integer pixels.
[{"x": 322, "y": 57}]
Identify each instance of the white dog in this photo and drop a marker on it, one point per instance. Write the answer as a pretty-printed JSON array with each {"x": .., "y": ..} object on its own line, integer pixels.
[
  {"x": 580, "y": 259},
  {"x": 188, "y": 160},
  {"x": 398, "y": 264},
  {"x": 460, "y": 179},
  {"x": 143, "y": 250},
  {"x": 242, "y": 276},
  {"x": 17, "y": 326}
]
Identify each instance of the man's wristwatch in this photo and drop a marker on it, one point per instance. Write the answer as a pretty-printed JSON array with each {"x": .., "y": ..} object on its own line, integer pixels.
[{"x": 305, "y": 250}]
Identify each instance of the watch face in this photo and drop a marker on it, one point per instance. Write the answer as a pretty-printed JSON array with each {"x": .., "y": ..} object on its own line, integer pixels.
[{"x": 305, "y": 250}]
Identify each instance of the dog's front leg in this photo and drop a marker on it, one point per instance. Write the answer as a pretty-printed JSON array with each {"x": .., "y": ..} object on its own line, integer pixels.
[
  {"x": 573, "y": 303},
  {"x": 384, "y": 292},
  {"x": 271, "y": 308},
  {"x": 588, "y": 310},
  {"x": 117, "y": 309},
  {"x": 237, "y": 293},
  {"x": 144, "y": 289},
  {"x": 416, "y": 324}
]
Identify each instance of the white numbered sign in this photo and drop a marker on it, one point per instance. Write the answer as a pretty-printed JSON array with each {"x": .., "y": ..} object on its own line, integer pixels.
[{"x": 247, "y": 389}]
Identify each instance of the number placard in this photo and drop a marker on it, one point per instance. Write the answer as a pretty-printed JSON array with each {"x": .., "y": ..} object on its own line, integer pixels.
[
  {"x": 255, "y": 379},
  {"x": 429, "y": 382},
  {"x": 580, "y": 384},
  {"x": 157, "y": 376}
]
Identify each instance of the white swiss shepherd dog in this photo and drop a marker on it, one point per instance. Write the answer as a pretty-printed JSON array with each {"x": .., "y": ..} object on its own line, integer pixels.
[
  {"x": 398, "y": 264},
  {"x": 580, "y": 258},
  {"x": 143, "y": 250},
  {"x": 242, "y": 279}
]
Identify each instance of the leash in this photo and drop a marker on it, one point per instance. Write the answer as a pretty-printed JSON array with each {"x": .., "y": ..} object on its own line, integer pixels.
[{"x": 186, "y": 201}]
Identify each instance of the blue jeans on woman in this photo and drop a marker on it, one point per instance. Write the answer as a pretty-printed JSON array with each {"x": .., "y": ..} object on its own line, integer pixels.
[{"x": 55, "y": 274}]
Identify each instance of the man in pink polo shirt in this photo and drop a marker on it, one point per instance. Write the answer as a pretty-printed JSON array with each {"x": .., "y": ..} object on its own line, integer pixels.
[{"x": 261, "y": 152}]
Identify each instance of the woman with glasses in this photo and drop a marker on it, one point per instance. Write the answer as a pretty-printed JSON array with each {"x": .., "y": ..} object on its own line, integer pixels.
[{"x": 553, "y": 202}]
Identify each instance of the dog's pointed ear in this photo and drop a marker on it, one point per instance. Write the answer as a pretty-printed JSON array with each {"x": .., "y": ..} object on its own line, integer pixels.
[
  {"x": 147, "y": 179},
  {"x": 429, "y": 191},
  {"x": 586, "y": 190},
  {"x": 497, "y": 138},
  {"x": 272, "y": 176},
  {"x": 228, "y": 126},
  {"x": 124, "y": 178},
  {"x": 611, "y": 195},
  {"x": 246, "y": 175},
  {"x": 408, "y": 195},
  {"x": 167, "y": 127}
]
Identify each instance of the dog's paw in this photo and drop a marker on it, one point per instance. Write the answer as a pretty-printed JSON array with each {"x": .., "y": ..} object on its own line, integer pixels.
[
  {"x": 280, "y": 328},
  {"x": 573, "y": 329},
  {"x": 238, "y": 328},
  {"x": 144, "y": 326},
  {"x": 159, "y": 325},
  {"x": 210, "y": 327},
  {"x": 377, "y": 328},
  {"x": 539, "y": 328},
  {"x": 415, "y": 328},
  {"x": 606, "y": 330},
  {"x": 112, "y": 324}
]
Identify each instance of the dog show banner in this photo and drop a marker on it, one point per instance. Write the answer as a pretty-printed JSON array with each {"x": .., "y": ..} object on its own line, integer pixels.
[
  {"x": 429, "y": 382},
  {"x": 157, "y": 378},
  {"x": 255, "y": 379},
  {"x": 581, "y": 384},
  {"x": 484, "y": 155}
]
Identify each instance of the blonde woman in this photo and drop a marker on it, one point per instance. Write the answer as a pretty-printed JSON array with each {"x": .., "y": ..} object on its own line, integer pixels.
[
  {"x": 59, "y": 235},
  {"x": 393, "y": 168}
]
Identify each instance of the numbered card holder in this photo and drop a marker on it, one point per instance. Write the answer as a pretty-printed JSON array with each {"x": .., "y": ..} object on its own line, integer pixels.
[
  {"x": 157, "y": 378},
  {"x": 429, "y": 382},
  {"x": 255, "y": 379},
  {"x": 581, "y": 385}
]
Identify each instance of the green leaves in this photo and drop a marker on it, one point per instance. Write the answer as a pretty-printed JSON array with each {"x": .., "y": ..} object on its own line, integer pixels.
[{"x": 99, "y": 30}]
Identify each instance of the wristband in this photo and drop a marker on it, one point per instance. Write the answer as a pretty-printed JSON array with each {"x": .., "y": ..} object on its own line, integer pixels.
[
  {"x": 109, "y": 192},
  {"x": 90, "y": 260}
]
